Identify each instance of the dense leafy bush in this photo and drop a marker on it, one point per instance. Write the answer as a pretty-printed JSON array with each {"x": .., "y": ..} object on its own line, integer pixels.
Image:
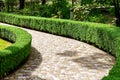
[
  {"x": 60, "y": 8},
  {"x": 104, "y": 36},
  {"x": 9, "y": 5},
  {"x": 37, "y": 10},
  {"x": 55, "y": 9},
  {"x": 94, "y": 13},
  {"x": 18, "y": 52},
  {"x": 81, "y": 12}
]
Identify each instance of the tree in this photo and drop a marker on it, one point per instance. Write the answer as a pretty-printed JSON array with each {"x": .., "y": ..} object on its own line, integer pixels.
[
  {"x": 8, "y": 4},
  {"x": 117, "y": 12},
  {"x": 43, "y": 2},
  {"x": 1, "y": 5},
  {"x": 21, "y": 4}
]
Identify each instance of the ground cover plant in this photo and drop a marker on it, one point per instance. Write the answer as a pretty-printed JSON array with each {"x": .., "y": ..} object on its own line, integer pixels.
[
  {"x": 106, "y": 37},
  {"x": 12, "y": 56},
  {"x": 4, "y": 44}
]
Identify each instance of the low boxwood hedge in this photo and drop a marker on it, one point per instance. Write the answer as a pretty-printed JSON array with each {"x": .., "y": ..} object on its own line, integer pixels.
[
  {"x": 106, "y": 37},
  {"x": 16, "y": 53}
]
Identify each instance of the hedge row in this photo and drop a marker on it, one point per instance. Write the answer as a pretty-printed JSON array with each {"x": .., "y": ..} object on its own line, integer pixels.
[
  {"x": 15, "y": 54},
  {"x": 104, "y": 36}
]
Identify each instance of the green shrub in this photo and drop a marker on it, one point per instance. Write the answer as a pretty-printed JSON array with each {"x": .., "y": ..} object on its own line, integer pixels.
[
  {"x": 106, "y": 37},
  {"x": 94, "y": 13},
  {"x": 60, "y": 9},
  {"x": 97, "y": 18},
  {"x": 18, "y": 52},
  {"x": 81, "y": 12},
  {"x": 54, "y": 9},
  {"x": 38, "y": 10}
]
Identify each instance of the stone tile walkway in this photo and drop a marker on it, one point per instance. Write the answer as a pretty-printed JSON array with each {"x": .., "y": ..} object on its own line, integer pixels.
[{"x": 59, "y": 58}]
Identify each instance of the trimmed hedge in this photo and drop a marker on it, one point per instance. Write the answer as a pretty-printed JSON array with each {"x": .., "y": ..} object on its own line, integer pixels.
[
  {"x": 106, "y": 37},
  {"x": 16, "y": 53}
]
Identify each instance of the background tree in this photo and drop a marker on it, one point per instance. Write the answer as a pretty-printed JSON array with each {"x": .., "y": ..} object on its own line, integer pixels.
[
  {"x": 21, "y": 4},
  {"x": 1, "y": 5},
  {"x": 117, "y": 11},
  {"x": 43, "y": 2},
  {"x": 8, "y": 5}
]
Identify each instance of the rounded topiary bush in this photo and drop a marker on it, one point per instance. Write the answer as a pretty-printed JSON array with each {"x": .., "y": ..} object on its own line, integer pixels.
[{"x": 16, "y": 53}]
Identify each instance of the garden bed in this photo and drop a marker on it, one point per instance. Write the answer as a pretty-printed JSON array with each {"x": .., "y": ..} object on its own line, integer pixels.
[
  {"x": 4, "y": 44},
  {"x": 12, "y": 56},
  {"x": 106, "y": 37}
]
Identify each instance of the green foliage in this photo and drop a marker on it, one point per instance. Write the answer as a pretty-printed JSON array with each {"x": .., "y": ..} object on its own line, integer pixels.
[
  {"x": 97, "y": 18},
  {"x": 7, "y": 1},
  {"x": 106, "y": 37},
  {"x": 45, "y": 10},
  {"x": 112, "y": 11},
  {"x": 59, "y": 7},
  {"x": 81, "y": 12},
  {"x": 94, "y": 13},
  {"x": 39, "y": 10},
  {"x": 9, "y": 5},
  {"x": 16, "y": 53},
  {"x": 104, "y": 2},
  {"x": 84, "y": 2}
]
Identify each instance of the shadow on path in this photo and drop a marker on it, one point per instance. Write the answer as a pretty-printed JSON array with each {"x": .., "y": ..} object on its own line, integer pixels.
[
  {"x": 24, "y": 72},
  {"x": 96, "y": 61},
  {"x": 68, "y": 53}
]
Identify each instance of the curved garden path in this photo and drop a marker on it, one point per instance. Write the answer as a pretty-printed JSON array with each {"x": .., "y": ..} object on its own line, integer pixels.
[{"x": 59, "y": 58}]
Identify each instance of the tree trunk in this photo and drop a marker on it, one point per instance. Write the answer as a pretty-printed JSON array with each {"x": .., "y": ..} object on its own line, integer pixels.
[
  {"x": 21, "y": 4},
  {"x": 117, "y": 12},
  {"x": 1, "y": 5},
  {"x": 43, "y": 2}
]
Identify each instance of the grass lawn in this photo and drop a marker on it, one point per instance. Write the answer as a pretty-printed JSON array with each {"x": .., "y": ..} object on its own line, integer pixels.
[{"x": 4, "y": 44}]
